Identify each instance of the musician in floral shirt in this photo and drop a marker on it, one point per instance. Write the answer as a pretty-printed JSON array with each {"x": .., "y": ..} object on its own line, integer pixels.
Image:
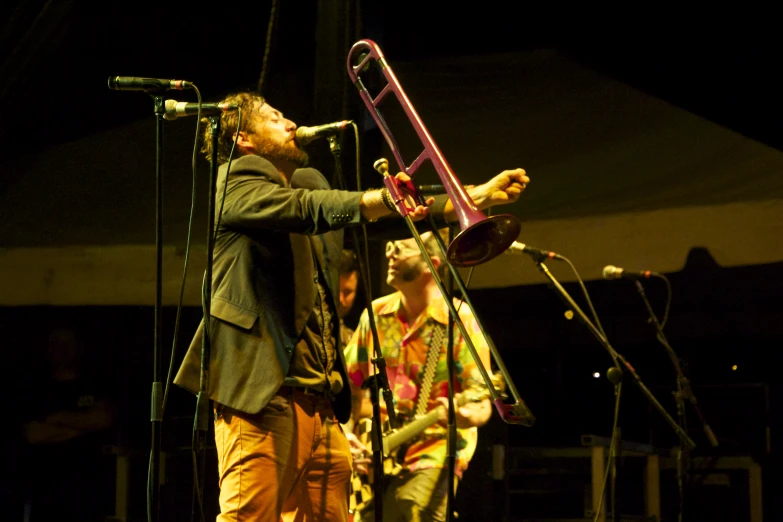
[{"x": 408, "y": 322}]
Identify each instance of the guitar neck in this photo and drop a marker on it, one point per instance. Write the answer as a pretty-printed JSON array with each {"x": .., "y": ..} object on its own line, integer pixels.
[{"x": 397, "y": 438}]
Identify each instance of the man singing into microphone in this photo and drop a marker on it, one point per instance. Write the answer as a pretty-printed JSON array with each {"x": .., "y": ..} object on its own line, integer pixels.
[{"x": 277, "y": 375}]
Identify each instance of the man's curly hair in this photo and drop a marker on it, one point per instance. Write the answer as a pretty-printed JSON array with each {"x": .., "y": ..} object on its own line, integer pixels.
[{"x": 249, "y": 103}]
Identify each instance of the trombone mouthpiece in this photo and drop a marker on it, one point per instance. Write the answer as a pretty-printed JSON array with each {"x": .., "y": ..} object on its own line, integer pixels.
[{"x": 382, "y": 166}]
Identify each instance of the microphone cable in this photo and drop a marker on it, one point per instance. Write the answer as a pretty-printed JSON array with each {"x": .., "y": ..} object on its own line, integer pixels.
[
  {"x": 268, "y": 45},
  {"x": 587, "y": 298},
  {"x": 668, "y": 299},
  {"x": 612, "y": 376},
  {"x": 613, "y": 444},
  {"x": 197, "y": 488},
  {"x": 167, "y": 384},
  {"x": 196, "y": 444}
]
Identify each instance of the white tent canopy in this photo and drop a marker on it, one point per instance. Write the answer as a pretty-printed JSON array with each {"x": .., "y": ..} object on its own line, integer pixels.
[{"x": 617, "y": 176}]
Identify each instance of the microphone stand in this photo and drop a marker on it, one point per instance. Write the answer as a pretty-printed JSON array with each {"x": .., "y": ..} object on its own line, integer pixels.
[
  {"x": 379, "y": 382},
  {"x": 156, "y": 403},
  {"x": 683, "y": 392},
  {"x": 619, "y": 359},
  {"x": 616, "y": 356},
  {"x": 451, "y": 440},
  {"x": 615, "y": 376}
]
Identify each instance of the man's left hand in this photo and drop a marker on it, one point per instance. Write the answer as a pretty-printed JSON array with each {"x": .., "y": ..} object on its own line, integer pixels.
[
  {"x": 361, "y": 461},
  {"x": 504, "y": 188},
  {"x": 468, "y": 415},
  {"x": 416, "y": 211}
]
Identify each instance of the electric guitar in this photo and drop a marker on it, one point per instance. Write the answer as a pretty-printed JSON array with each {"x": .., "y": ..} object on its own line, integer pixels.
[{"x": 395, "y": 442}]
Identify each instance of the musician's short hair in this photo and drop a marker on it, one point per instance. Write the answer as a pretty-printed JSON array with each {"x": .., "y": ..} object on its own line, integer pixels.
[
  {"x": 433, "y": 248},
  {"x": 250, "y": 103}
]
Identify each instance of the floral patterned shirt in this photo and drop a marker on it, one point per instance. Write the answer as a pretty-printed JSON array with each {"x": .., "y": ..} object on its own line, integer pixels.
[{"x": 404, "y": 347}]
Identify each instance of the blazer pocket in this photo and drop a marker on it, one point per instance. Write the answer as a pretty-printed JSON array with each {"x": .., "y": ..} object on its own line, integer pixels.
[{"x": 232, "y": 313}]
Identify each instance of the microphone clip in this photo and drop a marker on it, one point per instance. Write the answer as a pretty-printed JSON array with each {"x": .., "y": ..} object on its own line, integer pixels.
[{"x": 538, "y": 255}]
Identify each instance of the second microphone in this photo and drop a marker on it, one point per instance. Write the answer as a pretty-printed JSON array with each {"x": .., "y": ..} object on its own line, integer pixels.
[
  {"x": 176, "y": 109},
  {"x": 305, "y": 135}
]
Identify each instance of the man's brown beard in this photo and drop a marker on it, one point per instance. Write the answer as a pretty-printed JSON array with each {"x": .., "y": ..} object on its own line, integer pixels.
[{"x": 288, "y": 151}]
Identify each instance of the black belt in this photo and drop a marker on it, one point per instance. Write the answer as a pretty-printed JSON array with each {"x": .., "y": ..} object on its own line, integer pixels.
[{"x": 307, "y": 390}]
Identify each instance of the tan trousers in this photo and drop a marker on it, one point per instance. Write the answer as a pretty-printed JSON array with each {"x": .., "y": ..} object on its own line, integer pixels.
[{"x": 290, "y": 461}]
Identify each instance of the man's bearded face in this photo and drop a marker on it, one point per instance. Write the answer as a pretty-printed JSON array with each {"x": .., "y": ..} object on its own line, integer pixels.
[{"x": 273, "y": 136}]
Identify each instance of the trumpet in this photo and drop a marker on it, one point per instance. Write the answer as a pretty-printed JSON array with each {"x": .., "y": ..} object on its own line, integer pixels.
[{"x": 481, "y": 238}]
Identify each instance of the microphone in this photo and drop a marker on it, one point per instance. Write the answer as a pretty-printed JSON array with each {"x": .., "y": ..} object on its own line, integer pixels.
[
  {"x": 521, "y": 248},
  {"x": 613, "y": 272},
  {"x": 132, "y": 83},
  {"x": 305, "y": 135},
  {"x": 175, "y": 109}
]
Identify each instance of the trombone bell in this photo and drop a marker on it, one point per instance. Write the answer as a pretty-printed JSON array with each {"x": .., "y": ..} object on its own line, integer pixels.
[{"x": 483, "y": 240}]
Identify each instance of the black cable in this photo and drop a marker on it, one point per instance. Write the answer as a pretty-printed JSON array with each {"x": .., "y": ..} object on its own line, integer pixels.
[
  {"x": 618, "y": 392},
  {"x": 196, "y": 443},
  {"x": 167, "y": 384},
  {"x": 228, "y": 169},
  {"x": 375, "y": 383},
  {"x": 185, "y": 267},
  {"x": 610, "y": 463},
  {"x": 612, "y": 446},
  {"x": 187, "y": 256},
  {"x": 587, "y": 297},
  {"x": 668, "y": 299},
  {"x": 268, "y": 45}
]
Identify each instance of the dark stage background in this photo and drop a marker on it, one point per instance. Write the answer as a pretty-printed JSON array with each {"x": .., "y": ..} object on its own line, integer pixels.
[
  {"x": 56, "y": 57},
  {"x": 719, "y": 318}
]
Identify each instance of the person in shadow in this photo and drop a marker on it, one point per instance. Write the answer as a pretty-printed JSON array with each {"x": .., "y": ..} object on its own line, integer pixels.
[{"x": 67, "y": 422}]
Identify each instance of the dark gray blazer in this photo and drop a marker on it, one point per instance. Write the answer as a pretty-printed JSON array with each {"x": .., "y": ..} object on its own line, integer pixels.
[{"x": 268, "y": 238}]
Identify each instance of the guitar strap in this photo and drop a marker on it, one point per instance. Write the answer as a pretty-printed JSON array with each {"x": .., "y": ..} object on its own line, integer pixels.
[{"x": 436, "y": 342}]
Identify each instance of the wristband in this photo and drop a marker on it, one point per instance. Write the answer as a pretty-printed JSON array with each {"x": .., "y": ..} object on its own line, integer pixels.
[{"x": 386, "y": 199}]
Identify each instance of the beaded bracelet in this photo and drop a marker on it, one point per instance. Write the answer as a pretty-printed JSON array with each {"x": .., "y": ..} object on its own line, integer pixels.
[{"x": 386, "y": 199}]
